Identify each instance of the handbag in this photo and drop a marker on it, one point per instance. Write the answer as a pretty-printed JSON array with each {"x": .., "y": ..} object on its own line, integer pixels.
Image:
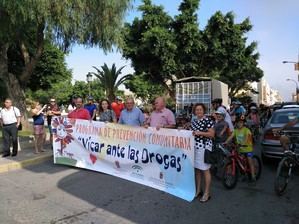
[
  {"x": 20, "y": 127},
  {"x": 211, "y": 156}
]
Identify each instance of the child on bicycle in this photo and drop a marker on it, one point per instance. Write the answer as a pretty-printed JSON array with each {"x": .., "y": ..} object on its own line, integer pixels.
[
  {"x": 243, "y": 137},
  {"x": 221, "y": 127}
]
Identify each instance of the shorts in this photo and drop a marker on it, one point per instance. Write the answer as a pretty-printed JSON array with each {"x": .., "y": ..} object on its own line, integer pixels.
[
  {"x": 38, "y": 129},
  {"x": 247, "y": 154}
]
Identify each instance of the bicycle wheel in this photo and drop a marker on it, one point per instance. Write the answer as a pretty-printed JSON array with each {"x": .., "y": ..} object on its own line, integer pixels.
[
  {"x": 218, "y": 166},
  {"x": 257, "y": 163},
  {"x": 229, "y": 179},
  {"x": 283, "y": 175}
]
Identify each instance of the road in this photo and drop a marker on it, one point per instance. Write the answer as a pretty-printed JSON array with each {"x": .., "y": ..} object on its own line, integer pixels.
[{"x": 55, "y": 194}]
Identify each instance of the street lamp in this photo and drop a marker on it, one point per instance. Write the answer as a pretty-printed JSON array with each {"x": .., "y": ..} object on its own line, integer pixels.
[
  {"x": 89, "y": 79},
  {"x": 296, "y": 63},
  {"x": 297, "y": 90},
  {"x": 292, "y": 62}
]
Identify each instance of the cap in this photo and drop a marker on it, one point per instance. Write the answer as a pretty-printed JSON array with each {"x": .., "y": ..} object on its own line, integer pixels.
[
  {"x": 238, "y": 103},
  {"x": 89, "y": 98},
  {"x": 118, "y": 98},
  {"x": 253, "y": 108},
  {"x": 220, "y": 113}
]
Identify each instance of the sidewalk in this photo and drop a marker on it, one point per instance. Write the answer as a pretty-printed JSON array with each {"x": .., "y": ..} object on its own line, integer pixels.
[{"x": 25, "y": 157}]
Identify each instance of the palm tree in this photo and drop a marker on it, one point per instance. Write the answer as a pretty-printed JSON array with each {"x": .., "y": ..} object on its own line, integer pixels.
[{"x": 108, "y": 79}]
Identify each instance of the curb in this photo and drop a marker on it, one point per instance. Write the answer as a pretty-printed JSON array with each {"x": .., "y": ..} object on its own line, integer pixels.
[{"x": 19, "y": 165}]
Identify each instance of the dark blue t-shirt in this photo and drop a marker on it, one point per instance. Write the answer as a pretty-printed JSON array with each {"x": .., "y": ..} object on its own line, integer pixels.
[
  {"x": 90, "y": 108},
  {"x": 38, "y": 119}
]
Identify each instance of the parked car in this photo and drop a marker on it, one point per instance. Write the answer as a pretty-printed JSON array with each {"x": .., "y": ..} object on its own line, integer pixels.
[
  {"x": 271, "y": 147},
  {"x": 290, "y": 106}
]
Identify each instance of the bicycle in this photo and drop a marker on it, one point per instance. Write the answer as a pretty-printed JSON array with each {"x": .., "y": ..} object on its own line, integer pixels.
[
  {"x": 220, "y": 155},
  {"x": 254, "y": 128},
  {"x": 236, "y": 165},
  {"x": 288, "y": 162}
]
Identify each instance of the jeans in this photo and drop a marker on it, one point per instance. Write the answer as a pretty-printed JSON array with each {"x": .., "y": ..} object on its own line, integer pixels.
[{"x": 10, "y": 132}]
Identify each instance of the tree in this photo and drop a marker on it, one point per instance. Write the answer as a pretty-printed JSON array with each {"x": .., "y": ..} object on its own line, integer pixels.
[
  {"x": 188, "y": 37},
  {"x": 150, "y": 45},
  {"x": 164, "y": 49},
  {"x": 109, "y": 79},
  {"x": 143, "y": 88},
  {"x": 228, "y": 57},
  {"x": 50, "y": 69},
  {"x": 26, "y": 24},
  {"x": 61, "y": 91}
]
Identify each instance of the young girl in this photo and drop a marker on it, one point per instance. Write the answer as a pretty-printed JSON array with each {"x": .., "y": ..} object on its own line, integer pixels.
[{"x": 243, "y": 137}]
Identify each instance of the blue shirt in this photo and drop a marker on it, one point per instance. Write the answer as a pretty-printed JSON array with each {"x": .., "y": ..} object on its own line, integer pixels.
[
  {"x": 90, "y": 108},
  {"x": 134, "y": 117},
  {"x": 38, "y": 119}
]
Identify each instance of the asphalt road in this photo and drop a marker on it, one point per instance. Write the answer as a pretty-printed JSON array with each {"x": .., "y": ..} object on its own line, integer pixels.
[{"x": 57, "y": 194}]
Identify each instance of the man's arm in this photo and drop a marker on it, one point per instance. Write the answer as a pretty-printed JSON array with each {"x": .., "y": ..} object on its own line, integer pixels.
[
  {"x": 141, "y": 118},
  {"x": 230, "y": 138},
  {"x": 94, "y": 114},
  {"x": 170, "y": 121},
  {"x": 224, "y": 129}
]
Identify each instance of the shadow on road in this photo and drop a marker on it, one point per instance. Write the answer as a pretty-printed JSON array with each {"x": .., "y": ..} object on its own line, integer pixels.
[{"x": 141, "y": 204}]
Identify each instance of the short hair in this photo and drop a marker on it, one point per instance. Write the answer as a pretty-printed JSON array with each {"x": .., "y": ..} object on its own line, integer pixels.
[
  {"x": 79, "y": 98},
  {"x": 201, "y": 105},
  {"x": 130, "y": 98}
]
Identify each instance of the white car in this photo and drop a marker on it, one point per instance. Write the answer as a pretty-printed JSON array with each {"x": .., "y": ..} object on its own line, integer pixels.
[{"x": 290, "y": 106}]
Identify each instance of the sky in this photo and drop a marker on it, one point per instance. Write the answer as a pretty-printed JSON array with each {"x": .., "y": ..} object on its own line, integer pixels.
[{"x": 275, "y": 28}]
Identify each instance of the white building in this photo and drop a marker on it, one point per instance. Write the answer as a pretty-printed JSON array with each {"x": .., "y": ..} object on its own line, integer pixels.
[{"x": 267, "y": 95}]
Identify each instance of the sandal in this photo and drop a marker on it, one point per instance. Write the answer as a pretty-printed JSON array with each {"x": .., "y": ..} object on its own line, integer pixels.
[
  {"x": 205, "y": 198},
  {"x": 200, "y": 194}
]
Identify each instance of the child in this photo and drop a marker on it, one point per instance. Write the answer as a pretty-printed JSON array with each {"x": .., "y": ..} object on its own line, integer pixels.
[
  {"x": 253, "y": 117},
  {"x": 220, "y": 127},
  {"x": 243, "y": 137}
]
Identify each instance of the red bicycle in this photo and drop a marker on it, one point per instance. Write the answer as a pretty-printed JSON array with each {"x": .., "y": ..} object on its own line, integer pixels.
[{"x": 237, "y": 164}]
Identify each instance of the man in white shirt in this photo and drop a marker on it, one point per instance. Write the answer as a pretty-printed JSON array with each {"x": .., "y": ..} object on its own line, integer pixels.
[{"x": 10, "y": 119}]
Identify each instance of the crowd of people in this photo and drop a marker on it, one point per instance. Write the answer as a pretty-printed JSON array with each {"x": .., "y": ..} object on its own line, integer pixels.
[{"x": 222, "y": 125}]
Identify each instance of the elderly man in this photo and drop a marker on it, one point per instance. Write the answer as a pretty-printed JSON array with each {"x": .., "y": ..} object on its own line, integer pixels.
[
  {"x": 10, "y": 119},
  {"x": 161, "y": 117},
  {"x": 80, "y": 112},
  {"x": 131, "y": 115}
]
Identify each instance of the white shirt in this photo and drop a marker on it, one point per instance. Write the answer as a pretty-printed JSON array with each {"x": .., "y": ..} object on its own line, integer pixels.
[
  {"x": 70, "y": 108},
  {"x": 9, "y": 116}
]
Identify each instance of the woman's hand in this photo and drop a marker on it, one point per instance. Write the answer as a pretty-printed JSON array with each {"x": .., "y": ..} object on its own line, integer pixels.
[{"x": 196, "y": 133}]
